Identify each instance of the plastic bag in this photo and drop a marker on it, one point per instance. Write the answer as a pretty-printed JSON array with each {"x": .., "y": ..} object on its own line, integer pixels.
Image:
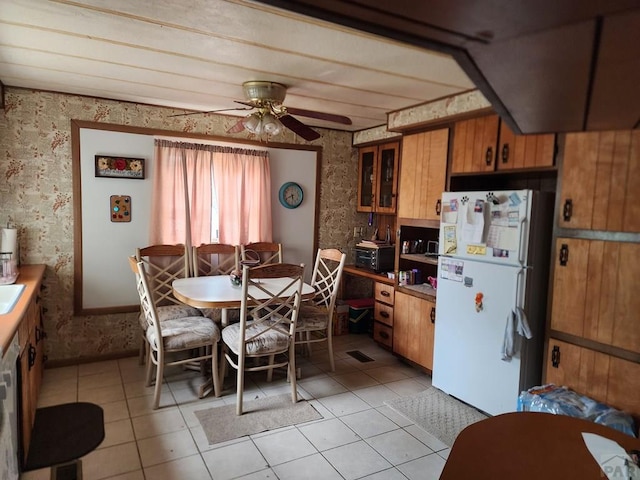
[{"x": 563, "y": 401}]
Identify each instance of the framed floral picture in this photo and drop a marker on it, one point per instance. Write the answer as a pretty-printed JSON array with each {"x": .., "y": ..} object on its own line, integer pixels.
[{"x": 119, "y": 167}]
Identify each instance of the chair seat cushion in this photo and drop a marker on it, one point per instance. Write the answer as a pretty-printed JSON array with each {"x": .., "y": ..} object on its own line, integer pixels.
[
  {"x": 187, "y": 332},
  {"x": 269, "y": 342},
  {"x": 171, "y": 312},
  {"x": 312, "y": 317}
]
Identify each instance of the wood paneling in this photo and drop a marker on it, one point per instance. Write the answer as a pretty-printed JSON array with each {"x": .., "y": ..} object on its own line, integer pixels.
[
  {"x": 600, "y": 179},
  {"x": 474, "y": 144},
  {"x": 593, "y": 294},
  {"x": 423, "y": 174},
  {"x": 604, "y": 378},
  {"x": 413, "y": 329}
]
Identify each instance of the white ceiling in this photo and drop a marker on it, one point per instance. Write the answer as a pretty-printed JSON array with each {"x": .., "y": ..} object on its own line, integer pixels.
[{"x": 196, "y": 54}]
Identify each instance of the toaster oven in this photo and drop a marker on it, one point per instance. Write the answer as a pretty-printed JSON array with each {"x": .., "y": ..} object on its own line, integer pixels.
[{"x": 379, "y": 258}]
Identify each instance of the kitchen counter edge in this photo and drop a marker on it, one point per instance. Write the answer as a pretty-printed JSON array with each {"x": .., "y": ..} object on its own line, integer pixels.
[{"x": 31, "y": 277}]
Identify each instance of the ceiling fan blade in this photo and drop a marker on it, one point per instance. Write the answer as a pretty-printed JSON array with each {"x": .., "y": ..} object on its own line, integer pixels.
[
  {"x": 330, "y": 117},
  {"x": 298, "y": 127},
  {"x": 237, "y": 127},
  {"x": 210, "y": 111}
]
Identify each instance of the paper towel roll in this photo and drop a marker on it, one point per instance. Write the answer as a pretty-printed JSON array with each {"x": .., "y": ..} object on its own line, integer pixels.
[{"x": 9, "y": 242}]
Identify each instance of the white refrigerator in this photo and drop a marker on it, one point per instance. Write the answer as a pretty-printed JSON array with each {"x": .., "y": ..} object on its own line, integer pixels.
[{"x": 493, "y": 271}]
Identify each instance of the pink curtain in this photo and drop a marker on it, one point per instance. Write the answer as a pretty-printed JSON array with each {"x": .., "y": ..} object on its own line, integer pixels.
[
  {"x": 182, "y": 194},
  {"x": 243, "y": 183}
]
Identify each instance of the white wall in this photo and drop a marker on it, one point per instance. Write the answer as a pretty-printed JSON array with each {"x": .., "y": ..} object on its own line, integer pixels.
[{"x": 107, "y": 280}]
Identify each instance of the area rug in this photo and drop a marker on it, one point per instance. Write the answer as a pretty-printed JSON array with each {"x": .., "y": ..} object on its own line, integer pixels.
[
  {"x": 442, "y": 416},
  {"x": 221, "y": 423},
  {"x": 63, "y": 433}
]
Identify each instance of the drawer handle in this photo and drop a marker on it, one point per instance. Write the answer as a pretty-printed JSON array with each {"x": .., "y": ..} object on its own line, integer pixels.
[
  {"x": 505, "y": 153},
  {"x": 488, "y": 158},
  {"x": 564, "y": 255},
  {"x": 555, "y": 356},
  {"x": 32, "y": 356},
  {"x": 567, "y": 210},
  {"x": 384, "y": 314},
  {"x": 433, "y": 315},
  {"x": 384, "y": 335},
  {"x": 384, "y": 293},
  {"x": 438, "y": 207}
]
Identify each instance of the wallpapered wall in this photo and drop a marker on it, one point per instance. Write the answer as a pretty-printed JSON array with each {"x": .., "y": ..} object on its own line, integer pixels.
[{"x": 36, "y": 196}]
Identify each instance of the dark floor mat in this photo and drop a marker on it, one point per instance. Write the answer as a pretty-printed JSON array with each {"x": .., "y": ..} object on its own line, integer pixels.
[{"x": 63, "y": 433}]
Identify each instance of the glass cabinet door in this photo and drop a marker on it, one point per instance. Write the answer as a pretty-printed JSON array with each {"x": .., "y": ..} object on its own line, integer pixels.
[
  {"x": 366, "y": 185},
  {"x": 378, "y": 178},
  {"x": 387, "y": 175}
]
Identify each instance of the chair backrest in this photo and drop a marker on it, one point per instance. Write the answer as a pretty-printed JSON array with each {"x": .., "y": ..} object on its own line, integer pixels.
[
  {"x": 326, "y": 276},
  {"x": 164, "y": 264},
  {"x": 271, "y": 296},
  {"x": 147, "y": 305},
  {"x": 269, "y": 252},
  {"x": 215, "y": 259}
]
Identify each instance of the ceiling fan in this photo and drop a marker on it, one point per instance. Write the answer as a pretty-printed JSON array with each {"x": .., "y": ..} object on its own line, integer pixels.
[{"x": 271, "y": 115}]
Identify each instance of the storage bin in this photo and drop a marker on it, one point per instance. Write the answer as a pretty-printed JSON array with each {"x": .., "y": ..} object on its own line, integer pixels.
[{"x": 360, "y": 315}]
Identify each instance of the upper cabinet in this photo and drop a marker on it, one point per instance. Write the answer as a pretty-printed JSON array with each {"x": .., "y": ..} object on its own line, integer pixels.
[
  {"x": 601, "y": 170},
  {"x": 378, "y": 178},
  {"x": 485, "y": 144},
  {"x": 423, "y": 174}
]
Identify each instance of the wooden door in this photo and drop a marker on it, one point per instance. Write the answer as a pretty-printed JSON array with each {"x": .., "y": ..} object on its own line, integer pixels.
[
  {"x": 524, "y": 151},
  {"x": 423, "y": 174},
  {"x": 603, "y": 377},
  {"x": 474, "y": 145},
  {"x": 413, "y": 329},
  {"x": 600, "y": 177},
  {"x": 594, "y": 291}
]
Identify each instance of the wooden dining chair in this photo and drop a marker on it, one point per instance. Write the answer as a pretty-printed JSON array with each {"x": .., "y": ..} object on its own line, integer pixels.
[
  {"x": 269, "y": 310},
  {"x": 215, "y": 259},
  {"x": 268, "y": 252},
  {"x": 315, "y": 321},
  {"x": 164, "y": 264},
  {"x": 196, "y": 337}
]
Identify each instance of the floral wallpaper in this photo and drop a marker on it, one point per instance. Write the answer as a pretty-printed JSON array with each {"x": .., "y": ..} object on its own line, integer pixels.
[{"x": 36, "y": 196}]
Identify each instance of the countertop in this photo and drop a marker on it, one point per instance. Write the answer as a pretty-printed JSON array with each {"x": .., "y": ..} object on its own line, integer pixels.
[{"x": 31, "y": 277}]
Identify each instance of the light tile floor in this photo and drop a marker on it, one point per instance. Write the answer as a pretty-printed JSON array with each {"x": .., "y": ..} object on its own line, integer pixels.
[{"x": 359, "y": 437}]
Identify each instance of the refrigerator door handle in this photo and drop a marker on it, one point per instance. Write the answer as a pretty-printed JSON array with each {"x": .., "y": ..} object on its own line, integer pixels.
[
  {"x": 521, "y": 252},
  {"x": 519, "y": 279}
]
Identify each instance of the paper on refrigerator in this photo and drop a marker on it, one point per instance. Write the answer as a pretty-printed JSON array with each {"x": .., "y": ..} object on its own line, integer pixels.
[{"x": 472, "y": 222}]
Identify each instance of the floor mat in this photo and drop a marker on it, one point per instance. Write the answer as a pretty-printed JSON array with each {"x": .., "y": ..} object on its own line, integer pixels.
[
  {"x": 434, "y": 411},
  {"x": 63, "y": 433}
]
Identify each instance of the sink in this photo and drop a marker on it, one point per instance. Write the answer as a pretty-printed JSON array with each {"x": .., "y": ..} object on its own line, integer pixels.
[{"x": 9, "y": 295}]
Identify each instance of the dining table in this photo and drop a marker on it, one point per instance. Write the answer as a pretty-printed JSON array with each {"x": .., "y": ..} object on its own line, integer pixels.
[
  {"x": 217, "y": 291},
  {"x": 533, "y": 446}
]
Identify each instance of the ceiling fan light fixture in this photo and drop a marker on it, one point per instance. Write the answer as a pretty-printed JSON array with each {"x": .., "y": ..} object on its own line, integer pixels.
[
  {"x": 253, "y": 123},
  {"x": 270, "y": 124}
]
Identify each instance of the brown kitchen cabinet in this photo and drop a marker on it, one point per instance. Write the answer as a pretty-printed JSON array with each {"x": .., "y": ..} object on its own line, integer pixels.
[
  {"x": 423, "y": 174},
  {"x": 378, "y": 178},
  {"x": 31, "y": 357},
  {"x": 601, "y": 172},
  {"x": 383, "y": 314},
  {"x": 413, "y": 329},
  {"x": 486, "y": 144},
  {"x": 606, "y": 378},
  {"x": 594, "y": 291}
]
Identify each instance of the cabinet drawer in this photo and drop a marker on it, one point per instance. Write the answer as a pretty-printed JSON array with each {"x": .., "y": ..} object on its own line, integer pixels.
[
  {"x": 383, "y": 334},
  {"x": 383, "y": 313},
  {"x": 384, "y": 293}
]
